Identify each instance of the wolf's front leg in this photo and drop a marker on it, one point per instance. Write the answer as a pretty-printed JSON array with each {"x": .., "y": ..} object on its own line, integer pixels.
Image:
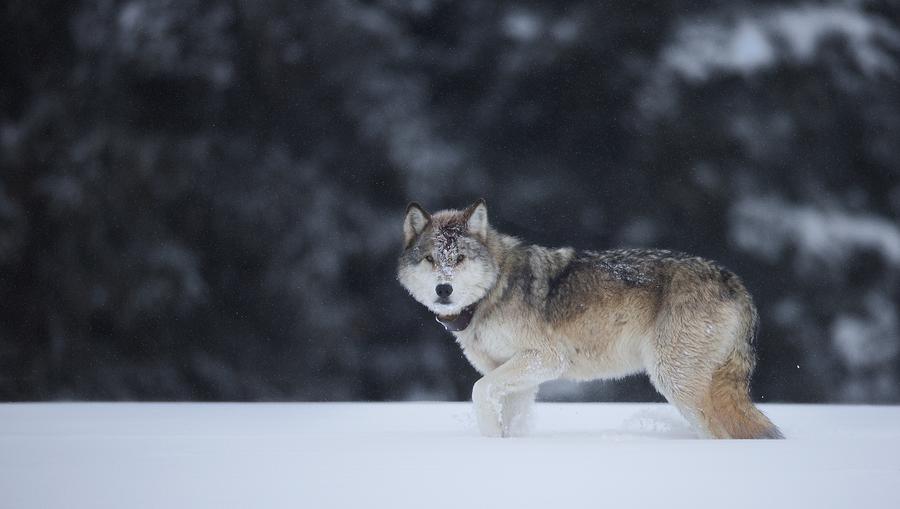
[
  {"x": 497, "y": 395},
  {"x": 516, "y": 412}
]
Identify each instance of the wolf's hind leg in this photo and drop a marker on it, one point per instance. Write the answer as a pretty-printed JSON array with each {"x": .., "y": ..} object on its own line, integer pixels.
[
  {"x": 690, "y": 398},
  {"x": 520, "y": 374},
  {"x": 714, "y": 398},
  {"x": 722, "y": 408},
  {"x": 701, "y": 363}
]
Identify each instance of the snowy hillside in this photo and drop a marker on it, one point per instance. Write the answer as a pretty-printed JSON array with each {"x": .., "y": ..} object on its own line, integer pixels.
[{"x": 428, "y": 455}]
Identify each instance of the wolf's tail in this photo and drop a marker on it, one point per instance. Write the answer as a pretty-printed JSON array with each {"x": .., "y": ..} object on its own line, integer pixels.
[{"x": 729, "y": 393}]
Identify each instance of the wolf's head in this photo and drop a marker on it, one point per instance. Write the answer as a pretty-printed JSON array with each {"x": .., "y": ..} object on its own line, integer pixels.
[{"x": 446, "y": 264}]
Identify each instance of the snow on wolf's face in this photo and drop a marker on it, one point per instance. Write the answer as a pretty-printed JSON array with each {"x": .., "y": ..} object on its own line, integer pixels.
[{"x": 445, "y": 263}]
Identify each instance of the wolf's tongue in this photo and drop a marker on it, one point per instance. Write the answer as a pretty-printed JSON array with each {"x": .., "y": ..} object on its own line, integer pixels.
[{"x": 455, "y": 323}]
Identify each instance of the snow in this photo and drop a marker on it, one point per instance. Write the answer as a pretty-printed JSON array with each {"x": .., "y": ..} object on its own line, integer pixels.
[
  {"x": 716, "y": 44},
  {"x": 310, "y": 455},
  {"x": 767, "y": 225},
  {"x": 704, "y": 46},
  {"x": 869, "y": 340}
]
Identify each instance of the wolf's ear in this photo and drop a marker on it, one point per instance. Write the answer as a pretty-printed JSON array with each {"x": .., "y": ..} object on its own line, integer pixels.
[
  {"x": 415, "y": 222},
  {"x": 476, "y": 218}
]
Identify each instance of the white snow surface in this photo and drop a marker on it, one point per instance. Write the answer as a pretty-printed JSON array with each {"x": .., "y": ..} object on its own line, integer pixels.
[{"x": 429, "y": 455}]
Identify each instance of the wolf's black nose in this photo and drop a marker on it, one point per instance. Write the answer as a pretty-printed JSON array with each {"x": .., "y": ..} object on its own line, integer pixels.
[{"x": 443, "y": 290}]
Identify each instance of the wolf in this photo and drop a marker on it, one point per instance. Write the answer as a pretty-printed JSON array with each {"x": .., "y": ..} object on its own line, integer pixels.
[{"x": 526, "y": 314}]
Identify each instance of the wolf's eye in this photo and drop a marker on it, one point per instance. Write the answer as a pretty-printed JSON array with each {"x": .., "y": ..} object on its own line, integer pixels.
[
  {"x": 460, "y": 258},
  {"x": 429, "y": 258}
]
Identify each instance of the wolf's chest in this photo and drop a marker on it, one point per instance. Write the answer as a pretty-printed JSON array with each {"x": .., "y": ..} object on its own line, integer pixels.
[{"x": 497, "y": 340}]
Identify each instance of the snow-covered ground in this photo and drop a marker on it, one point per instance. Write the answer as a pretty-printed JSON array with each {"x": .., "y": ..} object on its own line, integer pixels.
[{"x": 428, "y": 455}]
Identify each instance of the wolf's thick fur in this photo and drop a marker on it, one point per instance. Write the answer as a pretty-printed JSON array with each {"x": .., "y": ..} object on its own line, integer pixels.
[{"x": 528, "y": 314}]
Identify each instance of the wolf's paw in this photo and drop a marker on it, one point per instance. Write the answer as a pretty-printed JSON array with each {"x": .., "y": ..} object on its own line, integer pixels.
[
  {"x": 490, "y": 428},
  {"x": 488, "y": 421},
  {"x": 487, "y": 410},
  {"x": 516, "y": 425},
  {"x": 516, "y": 416}
]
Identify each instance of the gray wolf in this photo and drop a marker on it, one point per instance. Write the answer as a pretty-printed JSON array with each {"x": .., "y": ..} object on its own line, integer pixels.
[{"x": 525, "y": 314}]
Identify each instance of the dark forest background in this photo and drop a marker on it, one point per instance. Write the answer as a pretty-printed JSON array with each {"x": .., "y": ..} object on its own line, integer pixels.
[{"x": 203, "y": 200}]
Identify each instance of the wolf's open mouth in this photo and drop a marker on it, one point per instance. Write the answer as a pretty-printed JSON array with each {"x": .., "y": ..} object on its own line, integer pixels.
[{"x": 457, "y": 322}]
